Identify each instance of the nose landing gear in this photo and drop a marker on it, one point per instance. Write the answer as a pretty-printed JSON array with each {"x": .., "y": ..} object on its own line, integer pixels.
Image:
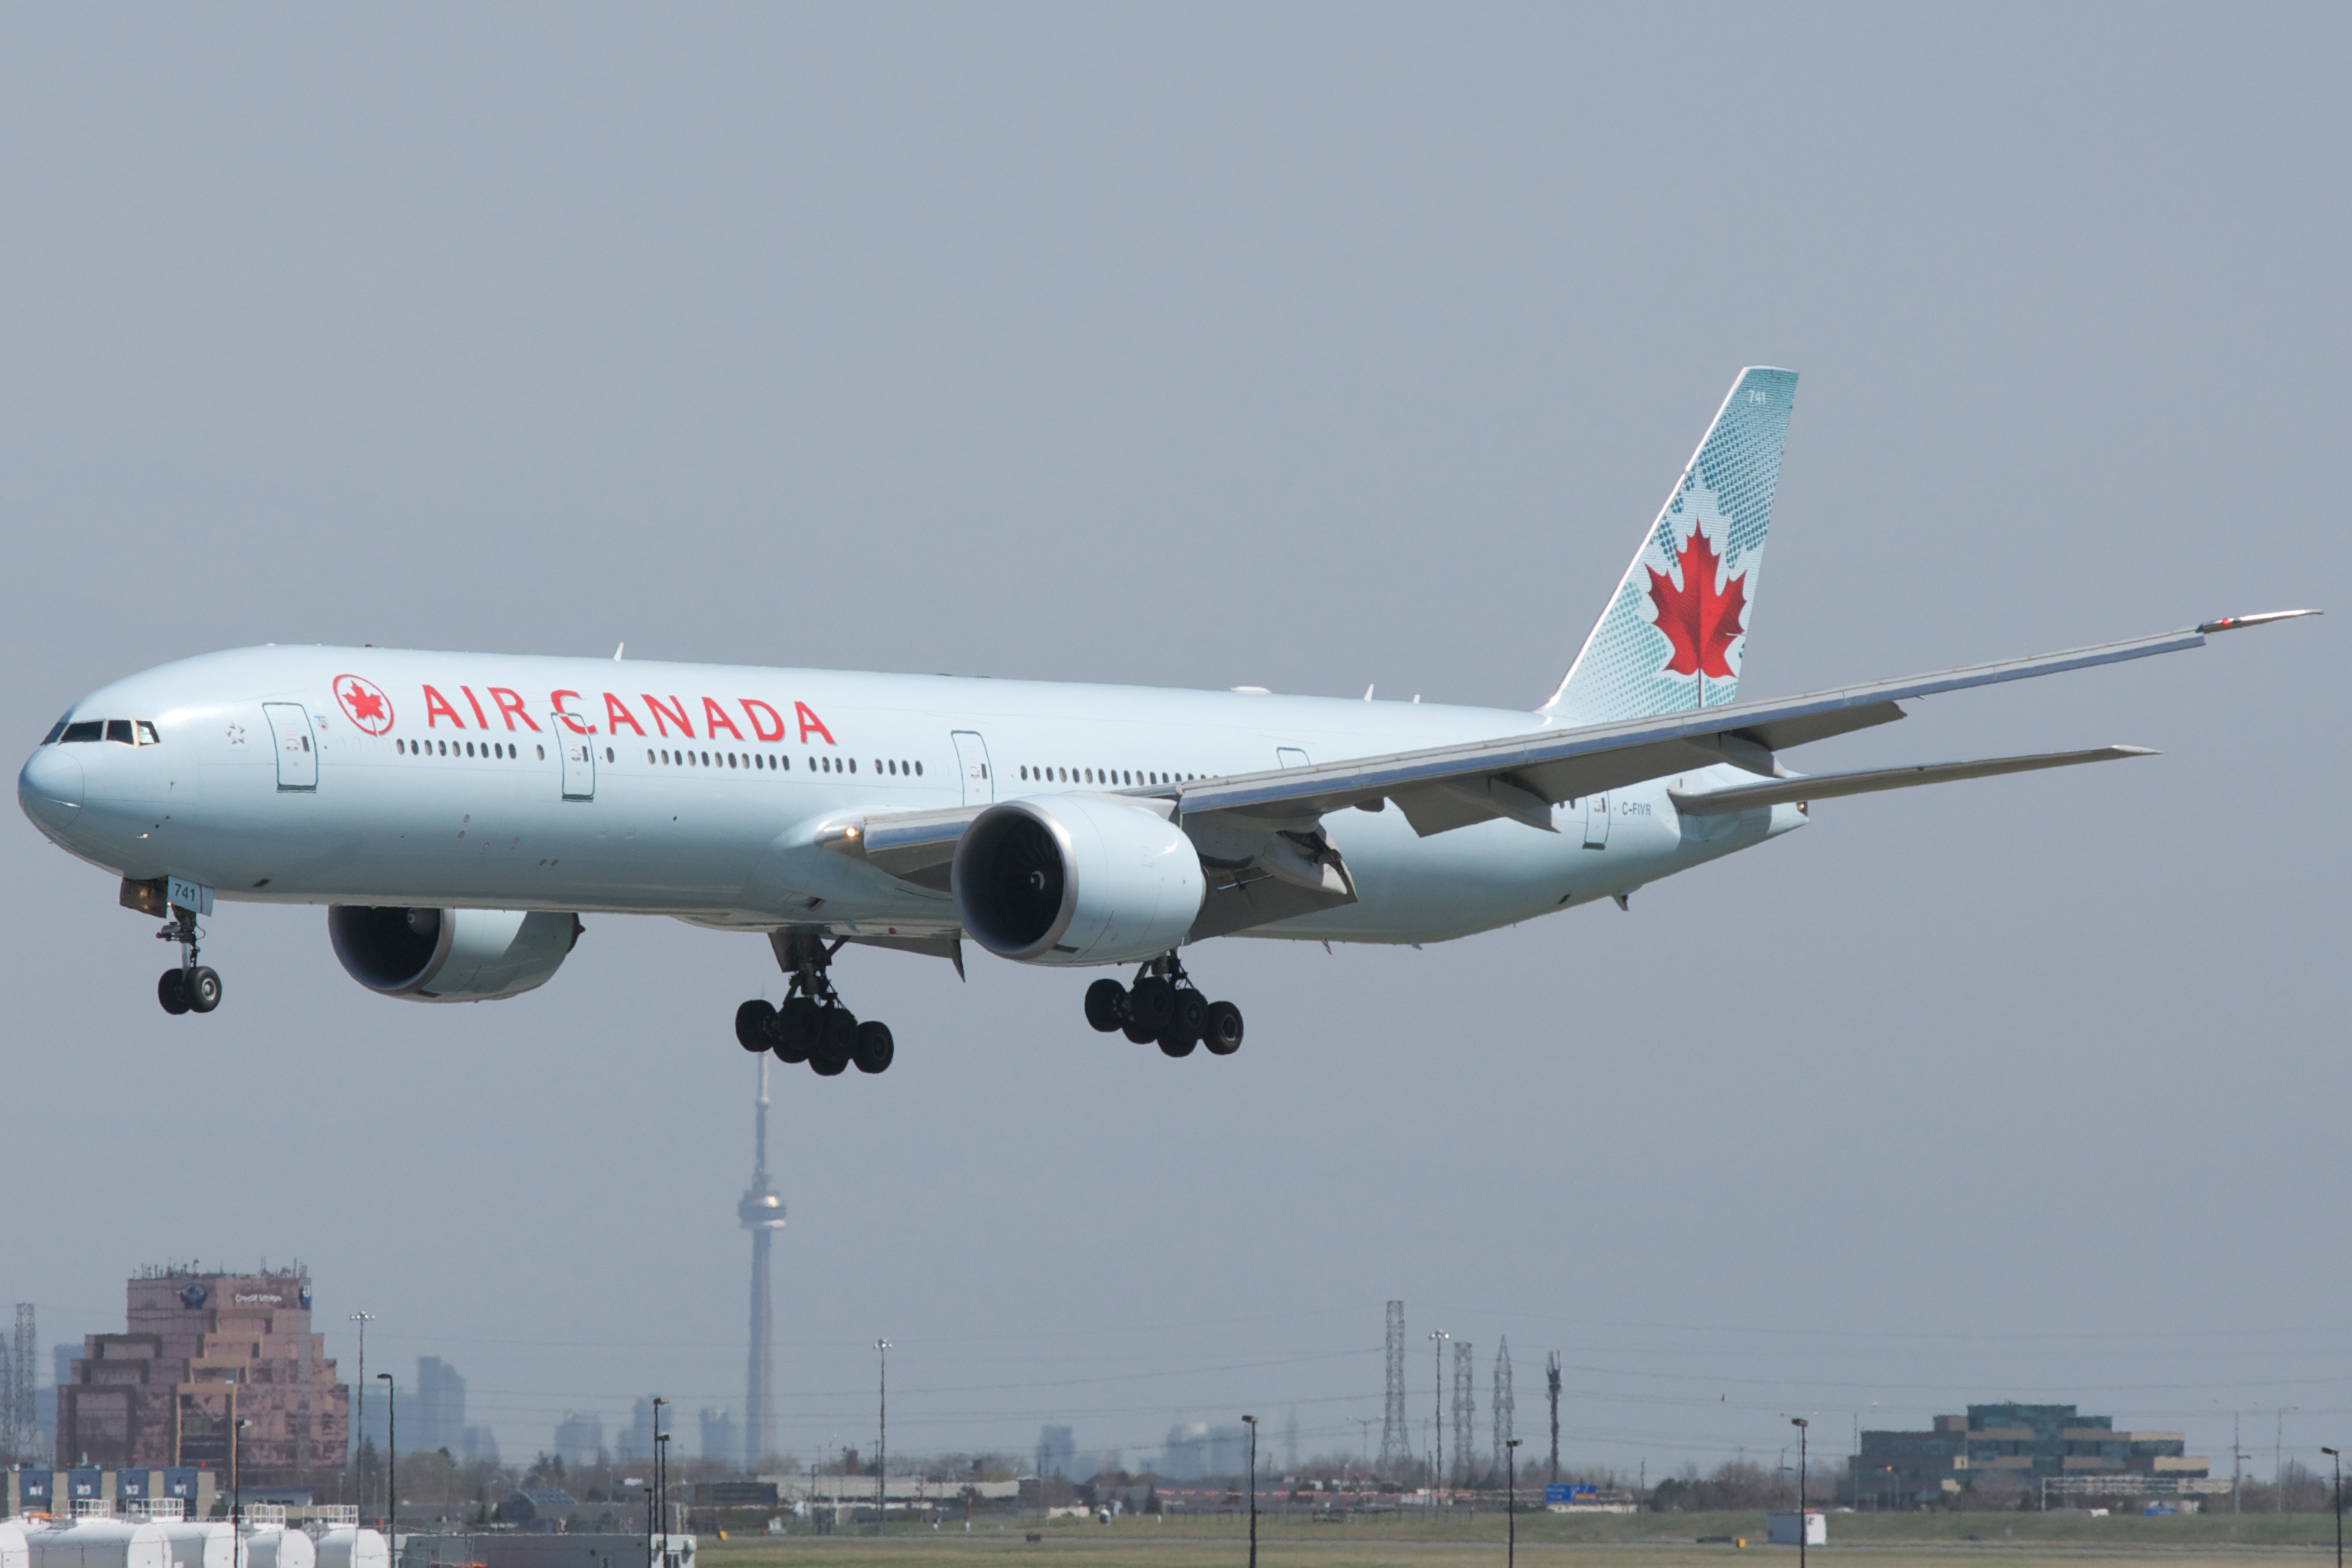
[
  {"x": 190, "y": 988},
  {"x": 812, "y": 1025},
  {"x": 1163, "y": 1007}
]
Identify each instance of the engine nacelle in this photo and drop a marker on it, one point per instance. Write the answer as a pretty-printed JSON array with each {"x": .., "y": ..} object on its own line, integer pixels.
[
  {"x": 1076, "y": 879},
  {"x": 449, "y": 955}
]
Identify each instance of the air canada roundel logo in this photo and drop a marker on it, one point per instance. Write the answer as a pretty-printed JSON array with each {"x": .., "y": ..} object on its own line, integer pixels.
[{"x": 364, "y": 704}]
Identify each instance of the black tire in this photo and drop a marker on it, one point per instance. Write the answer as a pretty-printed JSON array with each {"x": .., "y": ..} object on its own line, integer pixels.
[
  {"x": 1189, "y": 1019},
  {"x": 837, "y": 1041},
  {"x": 1222, "y": 1031},
  {"x": 1136, "y": 1034},
  {"x": 876, "y": 1048},
  {"x": 172, "y": 990},
  {"x": 1176, "y": 1045},
  {"x": 795, "y": 1030},
  {"x": 752, "y": 1022},
  {"x": 1107, "y": 1005},
  {"x": 1151, "y": 1004},
  {"x": 203, "y": 989}
]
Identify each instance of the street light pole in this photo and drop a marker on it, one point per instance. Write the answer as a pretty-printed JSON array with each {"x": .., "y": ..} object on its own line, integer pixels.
[
  {"x": 661, "y": 1488},
  {"x": 359, "y": 1424},
  {"x": 2337, "y": 1455},
  {"x": 1511, "y": 1499},
  {"x": 391, "y": 1461},
  {"x": 236, "y": 1426},
  {"x": 1251, "y": 1422},
  {"x": 1804, "y": 1530},
  {"x": 882, "y": 1445}
]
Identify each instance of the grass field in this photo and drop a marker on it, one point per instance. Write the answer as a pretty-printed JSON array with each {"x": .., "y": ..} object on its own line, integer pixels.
[{"x": 1639, "y": 1540}]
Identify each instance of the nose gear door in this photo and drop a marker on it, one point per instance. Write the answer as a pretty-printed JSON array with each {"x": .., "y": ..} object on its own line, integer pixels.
[
  {"x": 579, "y": 754},
  {"x": 971, "y": 756},
  {"x": 297, "y": 755}
]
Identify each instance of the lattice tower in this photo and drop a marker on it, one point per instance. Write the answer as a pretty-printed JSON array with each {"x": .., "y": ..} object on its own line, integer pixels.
[
  {"x": 1502, "y": 1403},
  {"x": 1465, "y": 1409},
  {"x": 1395, "y": 1446}
]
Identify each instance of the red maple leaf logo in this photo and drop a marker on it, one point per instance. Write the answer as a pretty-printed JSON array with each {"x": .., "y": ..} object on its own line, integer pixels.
[
  {"x": 1701, "y": 621},
  {"x": 364, "y": 704}
]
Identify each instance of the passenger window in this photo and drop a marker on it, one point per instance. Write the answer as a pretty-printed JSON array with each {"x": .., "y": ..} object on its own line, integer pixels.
[
  {"x": 542, "y": 752},
  {"x": 919, "y": 770},
  {"x": 147, "y": 736},
  {"x": 608, "y": 754},
  {"x": 88, "y": 730}
]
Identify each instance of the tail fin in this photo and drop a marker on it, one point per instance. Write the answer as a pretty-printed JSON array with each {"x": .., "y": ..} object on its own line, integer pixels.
[{"x": 1674, "y": 631}]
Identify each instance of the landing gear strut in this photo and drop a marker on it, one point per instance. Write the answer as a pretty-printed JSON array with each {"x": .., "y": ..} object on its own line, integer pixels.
[
  {"x": 190, "y": 987},
  {"x": 812, "y": 1025},
  {"x": 1162, "y": 1007}
]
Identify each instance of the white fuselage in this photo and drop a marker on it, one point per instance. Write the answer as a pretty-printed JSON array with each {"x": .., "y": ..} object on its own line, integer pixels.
[{"x": 373, "y": 776}]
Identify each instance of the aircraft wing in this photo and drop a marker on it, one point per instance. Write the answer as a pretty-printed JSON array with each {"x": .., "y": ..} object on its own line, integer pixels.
[
  {"x": 1523, "y": 776},
  {"x": 1245, "y": 820}
]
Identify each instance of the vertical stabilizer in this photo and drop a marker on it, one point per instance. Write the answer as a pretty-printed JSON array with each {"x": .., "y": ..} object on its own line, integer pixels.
[{"x": 1674, "y": 631}]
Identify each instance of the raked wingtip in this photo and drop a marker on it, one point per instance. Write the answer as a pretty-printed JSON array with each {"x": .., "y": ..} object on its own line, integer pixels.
[{"x": 2238, "y": 622}]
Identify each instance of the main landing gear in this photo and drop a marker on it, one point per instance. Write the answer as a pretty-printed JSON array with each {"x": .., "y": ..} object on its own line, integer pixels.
[
  {"x": 190, "y": 987},
  {"x": 1162, "y": 1007},
  {"x": 812, "y": 1025}
]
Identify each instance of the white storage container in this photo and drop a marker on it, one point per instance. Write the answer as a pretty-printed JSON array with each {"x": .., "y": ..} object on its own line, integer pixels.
[
  {"x": 194, "y": 1544},
  {"x": 99, "y": 1544}
]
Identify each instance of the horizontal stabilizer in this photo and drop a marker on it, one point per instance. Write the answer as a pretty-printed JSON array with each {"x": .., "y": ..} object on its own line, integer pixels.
[{"x": 1826, "y": 785}]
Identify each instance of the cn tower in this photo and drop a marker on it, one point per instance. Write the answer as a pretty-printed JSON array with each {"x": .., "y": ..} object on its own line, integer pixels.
[{"x": 763, "y": 1214}]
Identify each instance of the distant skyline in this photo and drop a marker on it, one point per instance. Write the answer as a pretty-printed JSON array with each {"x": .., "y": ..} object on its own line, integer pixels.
[{"x": 1302, "y": 346}]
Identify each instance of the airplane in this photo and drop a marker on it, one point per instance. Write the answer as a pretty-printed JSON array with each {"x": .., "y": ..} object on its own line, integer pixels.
[{"x": 456, "y": 812}]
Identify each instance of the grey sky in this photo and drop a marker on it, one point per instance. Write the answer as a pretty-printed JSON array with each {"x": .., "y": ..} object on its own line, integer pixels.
[{"x": 1305, "y": 347}]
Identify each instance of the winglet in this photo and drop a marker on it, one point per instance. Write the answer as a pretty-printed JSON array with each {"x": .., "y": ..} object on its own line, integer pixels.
[{"x": 2235, "y": 622}]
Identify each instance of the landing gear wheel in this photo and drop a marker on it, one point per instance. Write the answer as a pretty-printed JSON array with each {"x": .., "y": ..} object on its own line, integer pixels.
[
  {"x": 753, "y": 1021},
  {"x": 172, "y": 990},
  {"x": 794, "y": 1030},
  {"x": 1188, "y": 1020},
  {"x": 1107, "y": 1005},
  {"x": 203, "y": 989},
  {"x": 1138, "y": 1035},
  {"x": 1172, "y": 1044},
  {"x": 837, "y": 1041},
  {"x": 1222, "y": 1032},
  {"x": 875, "y": 1047},
  {"x": 1152, "y": 1005}
]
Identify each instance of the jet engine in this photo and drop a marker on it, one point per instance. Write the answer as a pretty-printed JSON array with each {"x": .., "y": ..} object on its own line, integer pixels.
[
  {"x": 1076, "y": 879},
  {"x": 450, "y": 955}
]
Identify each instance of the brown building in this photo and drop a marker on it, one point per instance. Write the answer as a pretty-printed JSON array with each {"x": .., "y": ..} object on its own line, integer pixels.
[{"x": 201, "y": 1351}]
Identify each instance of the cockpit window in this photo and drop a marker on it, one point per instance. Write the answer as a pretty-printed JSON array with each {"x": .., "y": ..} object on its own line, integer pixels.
[
  {"x": 118, "y": 731},
  {"x": 87, "y": 729},
  {"x": 56, "y": 730},
  {"x": 147, "y": 736}
]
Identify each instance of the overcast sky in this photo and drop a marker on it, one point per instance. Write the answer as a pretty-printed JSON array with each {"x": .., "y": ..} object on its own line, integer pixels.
[{"x": 1300, "y": 346}]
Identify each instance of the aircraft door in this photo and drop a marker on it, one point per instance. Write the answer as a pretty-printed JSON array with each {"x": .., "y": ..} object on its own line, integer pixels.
[
  {"x": 579, "y": 754},
  {"x": 1596, "y": 821},
  {"x": 971, "y": 759},
  {"x": 297, "y": 754}
]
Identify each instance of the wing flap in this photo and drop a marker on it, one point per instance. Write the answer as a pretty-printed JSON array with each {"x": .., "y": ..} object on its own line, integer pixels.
[{"x": 1828, "y": 785}]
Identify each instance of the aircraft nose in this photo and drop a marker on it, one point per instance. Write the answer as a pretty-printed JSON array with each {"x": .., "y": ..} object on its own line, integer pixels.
[{"x": 50, "y": 788}]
